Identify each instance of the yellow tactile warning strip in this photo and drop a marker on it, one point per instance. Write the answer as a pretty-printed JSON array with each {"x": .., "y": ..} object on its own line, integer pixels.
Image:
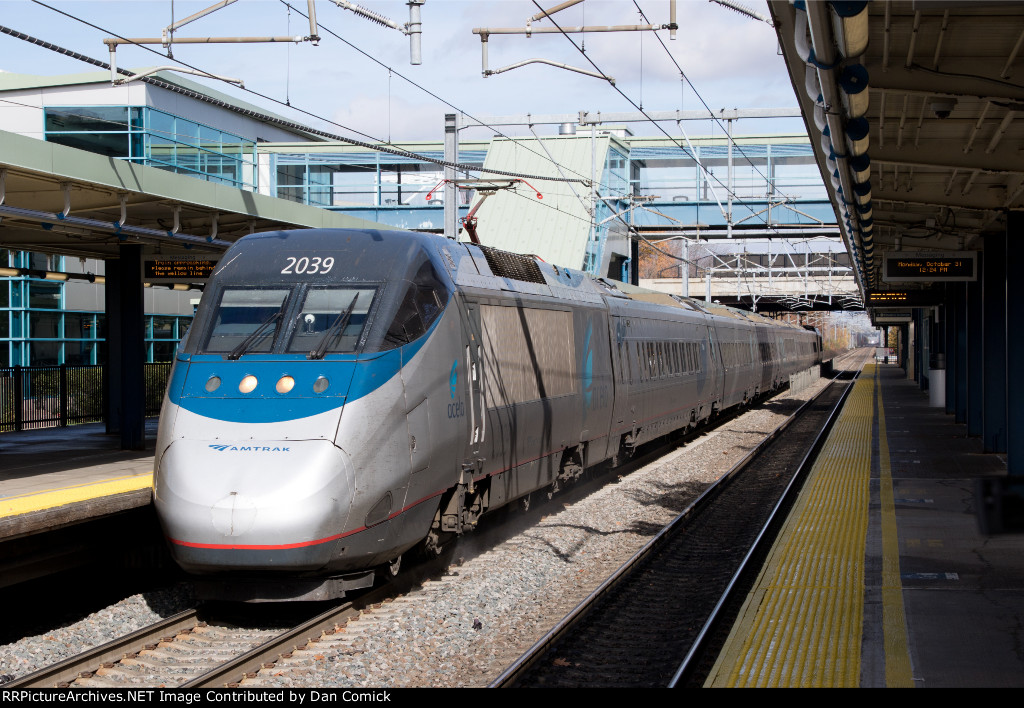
[
  {"x": 52, "y": 498},
  {"x": 894, "y": 624},
  {"x": 802, "y": 624}
]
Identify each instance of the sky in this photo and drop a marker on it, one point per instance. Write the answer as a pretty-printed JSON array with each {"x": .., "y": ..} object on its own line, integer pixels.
[{"x": 730, "y": 60}]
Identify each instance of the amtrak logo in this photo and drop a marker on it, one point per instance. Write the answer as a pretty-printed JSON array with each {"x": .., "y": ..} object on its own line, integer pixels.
[
  {"x": 453, "y": 379},
  {"x": 588, "y": 366},
  {"x": 248, "y": 448}
]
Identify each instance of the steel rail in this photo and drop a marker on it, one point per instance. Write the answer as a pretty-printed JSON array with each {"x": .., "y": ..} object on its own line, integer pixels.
[
  {"x": 64, "y": 672},
  {"x": 766, "y": 536},
  {"x": 523, "y": 663},
  {"x": 233, "y": 672}
]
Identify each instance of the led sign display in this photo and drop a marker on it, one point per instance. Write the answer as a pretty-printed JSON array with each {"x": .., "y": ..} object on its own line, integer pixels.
[
  {"x": 902, "y": 266},
  {"x": 903, "y": 298},
  {"x": 178, "y": 270}
]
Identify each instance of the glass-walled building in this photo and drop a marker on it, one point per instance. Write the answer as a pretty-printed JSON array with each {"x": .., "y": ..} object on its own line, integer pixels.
[
  {"x": 774, "y": 181},
  {"x": 42, "y": 323},
  {"x": 577, "y": 217},
  {"x": 148, "y": 136},
  {"x": 204, "y": 134},
  {"x": 391, "y": 189}
]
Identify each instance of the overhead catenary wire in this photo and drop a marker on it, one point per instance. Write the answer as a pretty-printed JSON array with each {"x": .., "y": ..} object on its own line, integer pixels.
[
  {"x": 273, "y": 120},
  {"x": 427, "y": 91},
  {"x": 404, "y": 153},
  {"x": 686, "y": 79},
  {"x": 638, "y": 108},
  {"x": 631, "y": 101}
]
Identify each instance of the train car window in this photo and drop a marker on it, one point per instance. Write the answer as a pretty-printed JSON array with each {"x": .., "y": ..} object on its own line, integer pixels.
[
  {"x": 320, "y": 311},
  {"x": 245, "y": 313}
]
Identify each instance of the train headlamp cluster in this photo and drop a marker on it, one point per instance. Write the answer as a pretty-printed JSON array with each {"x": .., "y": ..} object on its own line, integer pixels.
[{"x": 284, "y": 384}]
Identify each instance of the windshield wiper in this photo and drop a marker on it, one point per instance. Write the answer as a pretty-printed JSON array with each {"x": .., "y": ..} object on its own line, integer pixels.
[
  {"x": 333, "y": 331},
  {"x": 238, "y": 351}
]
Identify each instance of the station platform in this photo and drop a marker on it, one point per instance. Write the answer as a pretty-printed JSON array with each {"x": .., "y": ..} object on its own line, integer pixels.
[
  {"x": 53, "y": 477},
  {"x": 882, "y": 575}
]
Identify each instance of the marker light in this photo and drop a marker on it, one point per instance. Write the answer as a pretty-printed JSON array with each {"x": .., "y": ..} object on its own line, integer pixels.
[
  {"x": 212, "y": 384},
  {"x": 285, "y": 384},
  {"x": 321, "y": 384}
]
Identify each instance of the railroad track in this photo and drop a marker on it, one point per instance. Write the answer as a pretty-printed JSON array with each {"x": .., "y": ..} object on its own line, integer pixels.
[
  {"x": 182, "y": 652},
  {"x": 653, "y": 622},
  {"x": 188, "y": 651}
]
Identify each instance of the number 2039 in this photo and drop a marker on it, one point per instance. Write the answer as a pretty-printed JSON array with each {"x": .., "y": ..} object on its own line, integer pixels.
[{"x": 308, "y": 266}]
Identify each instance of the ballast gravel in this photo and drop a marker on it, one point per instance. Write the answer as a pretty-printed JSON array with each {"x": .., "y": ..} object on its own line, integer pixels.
[
  {"x": 467, "y": 627},
  {"x": 128, "y": 615}
]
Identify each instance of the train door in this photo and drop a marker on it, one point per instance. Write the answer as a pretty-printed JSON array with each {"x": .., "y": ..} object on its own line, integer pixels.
[
  {"x": 597, "y": 380},
  {"x": 624, "y": 383},
  {"x": 473, "y": 361},
  {"x": 715, "y": 369}
]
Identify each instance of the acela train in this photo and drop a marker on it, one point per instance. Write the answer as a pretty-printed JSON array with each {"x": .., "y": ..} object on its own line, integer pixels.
[{"x": 345, "y": 395}]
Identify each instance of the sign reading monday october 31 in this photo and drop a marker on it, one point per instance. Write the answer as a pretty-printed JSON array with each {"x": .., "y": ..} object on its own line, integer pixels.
[{"x": 903, "y": 266}]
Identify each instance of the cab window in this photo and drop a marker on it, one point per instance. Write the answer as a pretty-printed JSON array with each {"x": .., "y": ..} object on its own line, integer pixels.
[
  {"x": 422, "y": 303},
  {"x": 241, "y": 314},
  {"x": 323, "y": 310}
]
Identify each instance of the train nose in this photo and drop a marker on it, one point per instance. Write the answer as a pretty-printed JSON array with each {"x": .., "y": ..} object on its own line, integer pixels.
[
  {"x": 253, "y": 504},
  {"x": 234, "y": 515}
]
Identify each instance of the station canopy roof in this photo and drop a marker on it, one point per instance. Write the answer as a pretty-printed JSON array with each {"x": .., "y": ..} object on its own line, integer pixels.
[
  {"x": 942, "y": 123},
  {"x": 59, "y": 199}
]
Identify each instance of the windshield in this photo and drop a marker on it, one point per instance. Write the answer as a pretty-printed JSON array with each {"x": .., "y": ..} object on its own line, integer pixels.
[
  {"x": 245, "y": 313},
  {"x": 298, "y": 320},
  {"x": 321, "y": 309}
]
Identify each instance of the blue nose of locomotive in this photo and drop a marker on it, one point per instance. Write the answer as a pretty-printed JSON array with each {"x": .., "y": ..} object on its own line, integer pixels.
[
  {"x": 250, "y": 476},
  {"x": 260, "y": 389}
]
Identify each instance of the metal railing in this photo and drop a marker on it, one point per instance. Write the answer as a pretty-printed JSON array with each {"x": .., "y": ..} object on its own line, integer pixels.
[{"x": 34, "y": 397}]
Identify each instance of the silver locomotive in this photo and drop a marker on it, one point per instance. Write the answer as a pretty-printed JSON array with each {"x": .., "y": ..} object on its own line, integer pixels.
[{"x": 346, "y": 395}]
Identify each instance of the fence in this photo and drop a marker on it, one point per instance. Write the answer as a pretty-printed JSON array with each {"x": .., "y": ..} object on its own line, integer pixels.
[{"x": 50, "y": 396}]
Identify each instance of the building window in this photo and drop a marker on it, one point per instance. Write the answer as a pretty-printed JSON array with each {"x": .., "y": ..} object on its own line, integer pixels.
[
  {"x": 151, "y": 137},
  {"x": 44, "y": 354},
  {"x": 43, "y": 295},
  {"x": 354, "y": 180},
  {"x": 114, "y": 131}
]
